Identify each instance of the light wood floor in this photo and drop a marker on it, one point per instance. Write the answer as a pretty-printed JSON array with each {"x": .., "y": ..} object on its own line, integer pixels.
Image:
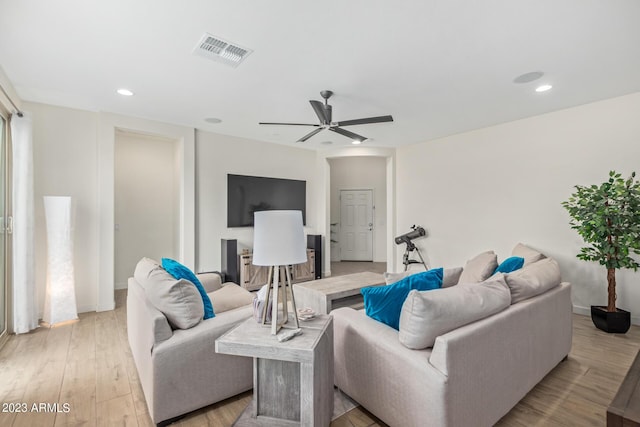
[
  {"x": 350, "y": 267},
  {"x": 88, "y": 365}
]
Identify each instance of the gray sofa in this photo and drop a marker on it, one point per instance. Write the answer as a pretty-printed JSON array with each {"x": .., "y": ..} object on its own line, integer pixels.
[
  {"x": 179, "y": 369},
  {"x": 471, "y": 376}
]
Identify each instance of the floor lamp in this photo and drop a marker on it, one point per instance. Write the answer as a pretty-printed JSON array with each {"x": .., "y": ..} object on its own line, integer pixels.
[
  {"x": 60, "y": 298},
  {"x": 278, "y": 241}
]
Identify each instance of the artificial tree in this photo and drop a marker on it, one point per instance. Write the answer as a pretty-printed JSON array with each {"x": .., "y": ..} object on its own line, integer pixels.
[{"x": 607, "y": 217}]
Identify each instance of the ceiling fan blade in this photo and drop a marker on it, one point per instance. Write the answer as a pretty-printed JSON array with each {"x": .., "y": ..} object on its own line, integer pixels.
[
  {"x": 318, "y": 107},
  {"x": 379, "y": 119},
  {"x": 309, "y": 135},
  {"x": 288, "y": 124},
  {"x": 348, "y": 134}
]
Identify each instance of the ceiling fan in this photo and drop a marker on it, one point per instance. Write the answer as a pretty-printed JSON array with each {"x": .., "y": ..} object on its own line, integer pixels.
[{"x": 323, "y": 111}]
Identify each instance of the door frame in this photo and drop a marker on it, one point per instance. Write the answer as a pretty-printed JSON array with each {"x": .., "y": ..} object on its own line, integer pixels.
[
  {"x": 373, "y": 220},
  {"x": 323, "y": 205},
  {"x": 4, "y": 334}
]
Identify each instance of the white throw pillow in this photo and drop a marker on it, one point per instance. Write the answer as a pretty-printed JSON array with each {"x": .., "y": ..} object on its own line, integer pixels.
[
  {"x": 530, "y": 255},
  {"x": 533, "y": 279},
  {"x": 426, "y": 315},
  {"x": 451, "y": 276},
  {"x": 178, "y": 300},
  {"x": 479, "y": 268}
]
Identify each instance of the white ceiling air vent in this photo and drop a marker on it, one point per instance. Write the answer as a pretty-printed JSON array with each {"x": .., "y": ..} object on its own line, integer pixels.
[{"x": 220, "y": 50}]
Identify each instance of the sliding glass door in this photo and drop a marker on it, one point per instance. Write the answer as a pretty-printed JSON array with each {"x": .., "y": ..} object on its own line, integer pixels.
[{"x": 3, "y": 228}]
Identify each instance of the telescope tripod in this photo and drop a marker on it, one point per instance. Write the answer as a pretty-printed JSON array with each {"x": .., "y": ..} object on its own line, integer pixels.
[{"x": 407, "y": 252}]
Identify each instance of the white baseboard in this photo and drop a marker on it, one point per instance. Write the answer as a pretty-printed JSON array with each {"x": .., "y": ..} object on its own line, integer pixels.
[{"x": 122, "y": 285}]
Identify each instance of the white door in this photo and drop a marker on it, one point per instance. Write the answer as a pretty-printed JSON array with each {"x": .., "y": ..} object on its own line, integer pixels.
[{"x": 356, "y": 225}]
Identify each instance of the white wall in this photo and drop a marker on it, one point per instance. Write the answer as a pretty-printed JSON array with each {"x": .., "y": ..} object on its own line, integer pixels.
[
  {"x": 146, "y": 201},
  {"x": 74, "y": 155},
  {"x": 216, "y": 156},
  {"x": 65, "y": 163},
  {"x": 358, "y": 173},
  {"x": 494, "y": 187}
]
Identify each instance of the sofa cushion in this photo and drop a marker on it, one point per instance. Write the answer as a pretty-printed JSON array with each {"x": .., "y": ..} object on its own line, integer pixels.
[
  {"x": 530, "y": 255},
  {"x": 427, "y": 315},
  {"x": 143, "y": 270},
  {"x": 383, "y": 303},
  {"x": 230, "y": 296},
  {"x": 180, "y": 271},
  {"x": 479, "y": 268},
  {"x": 178, "y": 300},
  {"x": 533, "y": 279},
  {"x": 510, "y": 264},
  {"x": 211, "y": 281},
  {"x": 450, "y": 276}
]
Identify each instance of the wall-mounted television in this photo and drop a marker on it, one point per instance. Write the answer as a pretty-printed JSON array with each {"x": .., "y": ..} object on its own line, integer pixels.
[{"x": 248, "y": 194}]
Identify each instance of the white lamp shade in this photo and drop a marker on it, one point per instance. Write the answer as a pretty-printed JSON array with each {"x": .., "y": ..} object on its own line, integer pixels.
[{"x": 278, "y": 238}]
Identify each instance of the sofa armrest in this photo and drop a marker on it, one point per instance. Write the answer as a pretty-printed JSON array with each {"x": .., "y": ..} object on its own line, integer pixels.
[
  {"x": 502, "y": 357},
  {"x": 145, "y": 324},
  {"x": 384, "y": 376},
  {"x": 188, "y": 373},
  {"x": 211, "y": 281}
]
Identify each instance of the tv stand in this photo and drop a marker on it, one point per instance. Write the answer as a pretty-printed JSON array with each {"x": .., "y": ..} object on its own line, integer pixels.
[{"x": 253, "y": 277}]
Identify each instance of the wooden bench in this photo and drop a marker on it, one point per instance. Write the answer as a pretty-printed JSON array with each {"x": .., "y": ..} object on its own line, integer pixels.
[{"x": 625, "y": 407}]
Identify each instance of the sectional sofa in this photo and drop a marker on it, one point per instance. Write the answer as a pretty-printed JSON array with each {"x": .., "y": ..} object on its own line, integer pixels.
[{"x": 470, "y": 375}]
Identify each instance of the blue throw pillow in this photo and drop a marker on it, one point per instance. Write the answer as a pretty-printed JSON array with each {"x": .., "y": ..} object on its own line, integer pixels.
[
  {"x": 179, "y": 271},
  {"x": 510, "y": 264},
  {"x": 384, "y": 303}
]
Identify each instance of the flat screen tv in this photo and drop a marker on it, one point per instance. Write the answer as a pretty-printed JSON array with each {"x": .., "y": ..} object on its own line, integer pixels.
[{"x": 249, "y": 194}]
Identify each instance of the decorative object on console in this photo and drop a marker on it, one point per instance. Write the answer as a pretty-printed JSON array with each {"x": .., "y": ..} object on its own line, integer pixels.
[
  {"x": 607, "y": 217},
  {"x": 60, "y": 298},
  {"x": 278, "y": 241}
]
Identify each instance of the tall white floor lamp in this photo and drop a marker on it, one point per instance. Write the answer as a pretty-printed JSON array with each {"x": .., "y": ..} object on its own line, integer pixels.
[{"x": 60, "y": 298}]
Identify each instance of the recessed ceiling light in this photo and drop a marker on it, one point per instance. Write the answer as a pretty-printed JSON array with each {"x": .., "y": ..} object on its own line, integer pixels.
[
  {"x": 528, "y": 77},
  {"x": 213, "y": 120},
  {"x": 356, "y": 142},
  {"x": 125, "y": 92},
  {"x": 543, "y": 88}
]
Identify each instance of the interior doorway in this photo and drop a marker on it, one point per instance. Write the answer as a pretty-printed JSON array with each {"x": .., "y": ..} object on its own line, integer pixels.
[
  {"x": 368, "y": 173},
  {"x": 147, "y": 201},
  {"x": 356, "y": 220}
]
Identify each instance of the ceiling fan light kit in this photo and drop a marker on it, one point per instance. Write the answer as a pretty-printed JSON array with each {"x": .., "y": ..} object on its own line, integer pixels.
[{"x": 324, "y": 111}]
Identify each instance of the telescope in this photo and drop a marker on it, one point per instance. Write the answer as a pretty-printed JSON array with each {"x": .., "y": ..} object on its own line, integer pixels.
[
  {"x": 416, "y": 231},
  {"x": 413, "y": 234}
]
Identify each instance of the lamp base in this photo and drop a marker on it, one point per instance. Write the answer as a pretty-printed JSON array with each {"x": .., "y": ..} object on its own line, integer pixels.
[{"x": 279, "y": 320}]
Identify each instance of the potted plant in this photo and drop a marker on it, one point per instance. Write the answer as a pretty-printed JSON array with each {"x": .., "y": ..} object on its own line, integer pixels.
[{"x": 607, "y": 217}]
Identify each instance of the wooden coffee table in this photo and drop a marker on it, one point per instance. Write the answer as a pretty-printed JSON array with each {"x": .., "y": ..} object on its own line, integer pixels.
[{"x": 328, "y": 294}]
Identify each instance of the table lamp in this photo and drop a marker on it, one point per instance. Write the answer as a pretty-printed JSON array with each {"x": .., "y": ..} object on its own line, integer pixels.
[{"x": 278, "y": 241}]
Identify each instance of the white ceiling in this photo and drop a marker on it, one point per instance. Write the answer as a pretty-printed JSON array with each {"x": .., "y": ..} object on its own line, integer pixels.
[{"x": 439, "y": 67}]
